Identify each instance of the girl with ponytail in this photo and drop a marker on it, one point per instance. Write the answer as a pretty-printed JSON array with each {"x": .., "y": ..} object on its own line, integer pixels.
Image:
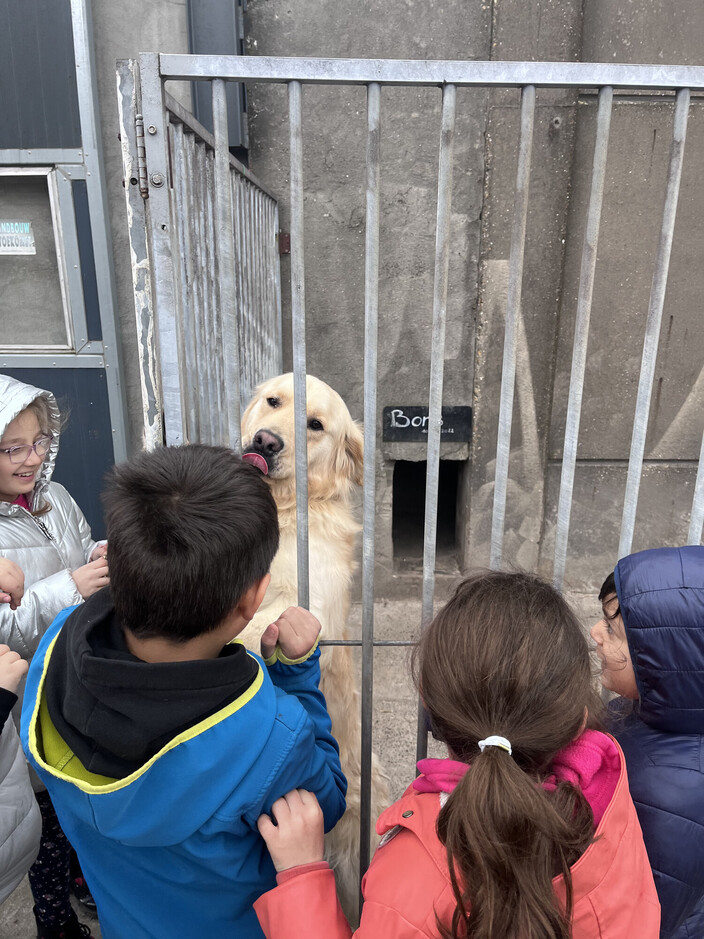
[{"x": 526, "y": 831}]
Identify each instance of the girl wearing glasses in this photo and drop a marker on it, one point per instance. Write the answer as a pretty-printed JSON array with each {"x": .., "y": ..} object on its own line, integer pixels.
[{"x": 44, "y": 532}]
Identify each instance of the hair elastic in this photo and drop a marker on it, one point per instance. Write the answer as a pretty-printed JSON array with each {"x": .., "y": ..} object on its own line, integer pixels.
[{"x": 494, "y": 741}]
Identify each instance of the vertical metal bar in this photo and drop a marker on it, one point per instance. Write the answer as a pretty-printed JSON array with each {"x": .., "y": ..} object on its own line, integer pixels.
[
  {"x": 226, "y": 262},
  {"x": 274, "y": 362},
  {"x": 96, "y": 190},
  {"x": 581, "y": 332},
  {"x": 513, "y": 310},
  {"x": 161, "y": 249},
  {"x": 129, "y": 105},
  {"x": 261, "y": 285},
  {"x": 276, "y": 263},
  {"x": 249, "y": 216},
  {"x": 182, "y": 211},
  {"x": 437, "y": 360},
  {"x": 240, "y": 241},
  {"x": 218, "y": 370},
  {"x": 652, "y": 326},
  {"x": 697, "y": 517},
  {"x": 210, "y": 356},
  {"x": 371, "y": 321},
  {"x": 196, "y": 299},
  {"x": 245, "y": 312},
  {"x": 298, "y": 318},
  {"x": 256, "y": 300}
]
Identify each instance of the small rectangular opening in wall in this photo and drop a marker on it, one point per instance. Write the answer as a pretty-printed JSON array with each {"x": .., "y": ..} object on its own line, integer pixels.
[{"x": 408, "y": 519}]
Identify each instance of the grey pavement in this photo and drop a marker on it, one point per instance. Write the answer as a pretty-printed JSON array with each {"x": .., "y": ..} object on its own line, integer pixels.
[{"x": 394, "y": 726}]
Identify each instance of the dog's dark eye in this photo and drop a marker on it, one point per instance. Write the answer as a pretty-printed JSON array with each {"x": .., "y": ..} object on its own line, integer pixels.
[
  {"x": 315, "y": 424},
  {"x": 273, "y": 402}
]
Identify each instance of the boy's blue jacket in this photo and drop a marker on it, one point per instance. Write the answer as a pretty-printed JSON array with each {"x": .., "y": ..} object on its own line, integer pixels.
[
  {"x": 172, "y": 851},
  {"x": 661, "y": 596}
]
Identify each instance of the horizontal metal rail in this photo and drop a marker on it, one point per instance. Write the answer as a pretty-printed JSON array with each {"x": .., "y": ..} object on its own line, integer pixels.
[
  {"x": 412, "y": 72},
  {"x": 361, "y": 642}
]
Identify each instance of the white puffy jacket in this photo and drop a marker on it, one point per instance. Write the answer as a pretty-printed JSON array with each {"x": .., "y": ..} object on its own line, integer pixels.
[
  {"x": 48, "y": 547},
  {"x": 20, "y": 819}
]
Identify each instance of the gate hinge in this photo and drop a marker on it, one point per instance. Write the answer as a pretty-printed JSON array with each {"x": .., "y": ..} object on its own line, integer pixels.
[
  {"x": 141, "y": 157},
  {"x": 284, "y": 242}
]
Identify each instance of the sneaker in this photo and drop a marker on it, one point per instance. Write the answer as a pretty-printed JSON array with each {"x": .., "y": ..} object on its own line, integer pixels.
[
  {"x": 81, "y": 891},
  {"x": 70, "y": 930}
]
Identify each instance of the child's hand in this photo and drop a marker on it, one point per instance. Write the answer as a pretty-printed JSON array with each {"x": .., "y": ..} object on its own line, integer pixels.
[
  {"x": 99, "y": 552},
  {"x": 298, "y": 837},
  {"x": 295, "y": 632},
  {"x": 13, "y": 668},
  {"x": 11, "y": 583},
  {"x": 91, "y": 577}
]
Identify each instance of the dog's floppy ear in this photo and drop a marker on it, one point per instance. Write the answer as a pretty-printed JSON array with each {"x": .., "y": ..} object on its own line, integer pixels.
[
  {"x": 350, "y": 458},
  {"x": 253, "y": 401}
]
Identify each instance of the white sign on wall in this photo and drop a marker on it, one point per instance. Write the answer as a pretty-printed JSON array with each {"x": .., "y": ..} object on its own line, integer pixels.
[{"x": 16, "y": 237}]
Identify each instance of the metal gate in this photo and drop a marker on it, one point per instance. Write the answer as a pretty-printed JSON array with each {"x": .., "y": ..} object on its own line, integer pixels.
[
  {"x": 205, "y": 265},
  {"x": 675, "y": 82}
]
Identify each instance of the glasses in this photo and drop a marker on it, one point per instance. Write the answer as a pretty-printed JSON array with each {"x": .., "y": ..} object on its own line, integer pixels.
[{"x": 21, "y": 454}]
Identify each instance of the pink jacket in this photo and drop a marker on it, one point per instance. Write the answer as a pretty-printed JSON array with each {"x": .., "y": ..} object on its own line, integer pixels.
[{"x": 408, "y": 880}]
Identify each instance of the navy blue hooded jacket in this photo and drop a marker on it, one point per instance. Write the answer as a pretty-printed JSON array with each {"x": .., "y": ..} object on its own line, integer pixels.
[{"x": 661, "y": 596}]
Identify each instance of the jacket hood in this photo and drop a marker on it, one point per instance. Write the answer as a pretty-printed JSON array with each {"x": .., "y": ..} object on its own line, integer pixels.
[
  {"x": 15, "y": 396},
  {"x": 115, "y": 711},
  {"x": 178, "y": 791},
  {"x": 591, "y": 763},
  {"x": 661, "y": 595}
]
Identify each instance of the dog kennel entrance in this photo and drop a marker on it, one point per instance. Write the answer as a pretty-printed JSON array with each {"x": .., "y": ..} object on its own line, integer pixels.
[
  {"x": 152, "y": 160},
  {"x": 408, "y": 518}
]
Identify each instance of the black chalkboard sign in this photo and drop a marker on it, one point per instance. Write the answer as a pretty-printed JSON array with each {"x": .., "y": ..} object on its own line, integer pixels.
[{"x": 409, "y": 423}]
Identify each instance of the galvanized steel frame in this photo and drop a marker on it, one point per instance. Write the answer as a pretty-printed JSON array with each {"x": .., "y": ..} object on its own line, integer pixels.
[
  {"x": 205, "y": 265},
  {"x": 448, "y": 76}
]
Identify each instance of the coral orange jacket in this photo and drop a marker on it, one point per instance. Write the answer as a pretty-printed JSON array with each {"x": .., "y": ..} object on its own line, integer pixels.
[{"x": 408, "y": 881}]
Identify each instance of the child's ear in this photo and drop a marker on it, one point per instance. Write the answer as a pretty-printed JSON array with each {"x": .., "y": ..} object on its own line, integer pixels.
[{"x": 252, "y": 598}]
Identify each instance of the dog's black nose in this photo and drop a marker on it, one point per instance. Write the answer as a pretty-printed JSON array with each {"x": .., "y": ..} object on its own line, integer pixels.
[{"x": 267, "y": 443}]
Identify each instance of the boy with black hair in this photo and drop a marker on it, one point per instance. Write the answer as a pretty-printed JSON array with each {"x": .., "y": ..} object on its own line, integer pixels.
[{"x": 161, "y": 741}]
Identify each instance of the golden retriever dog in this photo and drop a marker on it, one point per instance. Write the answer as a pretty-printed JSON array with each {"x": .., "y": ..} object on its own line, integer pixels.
[{"x": 335, "y": 461}]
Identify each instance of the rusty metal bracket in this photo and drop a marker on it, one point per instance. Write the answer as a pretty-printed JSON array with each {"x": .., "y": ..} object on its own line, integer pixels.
[{"x": 284, "y": 243}]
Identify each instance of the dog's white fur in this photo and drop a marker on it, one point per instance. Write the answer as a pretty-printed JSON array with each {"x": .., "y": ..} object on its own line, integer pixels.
[{"x": 335, "y": 460}]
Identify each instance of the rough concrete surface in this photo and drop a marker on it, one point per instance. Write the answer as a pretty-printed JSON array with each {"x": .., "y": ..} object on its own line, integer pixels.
[{"x": 394, "y": 726}]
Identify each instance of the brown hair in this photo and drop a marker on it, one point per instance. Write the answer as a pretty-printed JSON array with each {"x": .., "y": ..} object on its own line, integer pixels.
[
  {"x": 507, "y": 656},
  {"x": 190, "y": 530},
  {"x": 50, "y": 422}
]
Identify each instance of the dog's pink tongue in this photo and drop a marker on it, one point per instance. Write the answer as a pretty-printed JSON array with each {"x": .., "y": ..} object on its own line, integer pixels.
[{"x": 257, "y": 460}]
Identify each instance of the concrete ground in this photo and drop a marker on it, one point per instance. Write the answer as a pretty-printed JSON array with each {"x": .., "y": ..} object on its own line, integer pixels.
[{"x": 394, "y": 727}]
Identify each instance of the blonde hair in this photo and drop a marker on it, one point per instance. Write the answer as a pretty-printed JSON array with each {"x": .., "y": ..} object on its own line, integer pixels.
[{"x": 50, "y": 422}]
